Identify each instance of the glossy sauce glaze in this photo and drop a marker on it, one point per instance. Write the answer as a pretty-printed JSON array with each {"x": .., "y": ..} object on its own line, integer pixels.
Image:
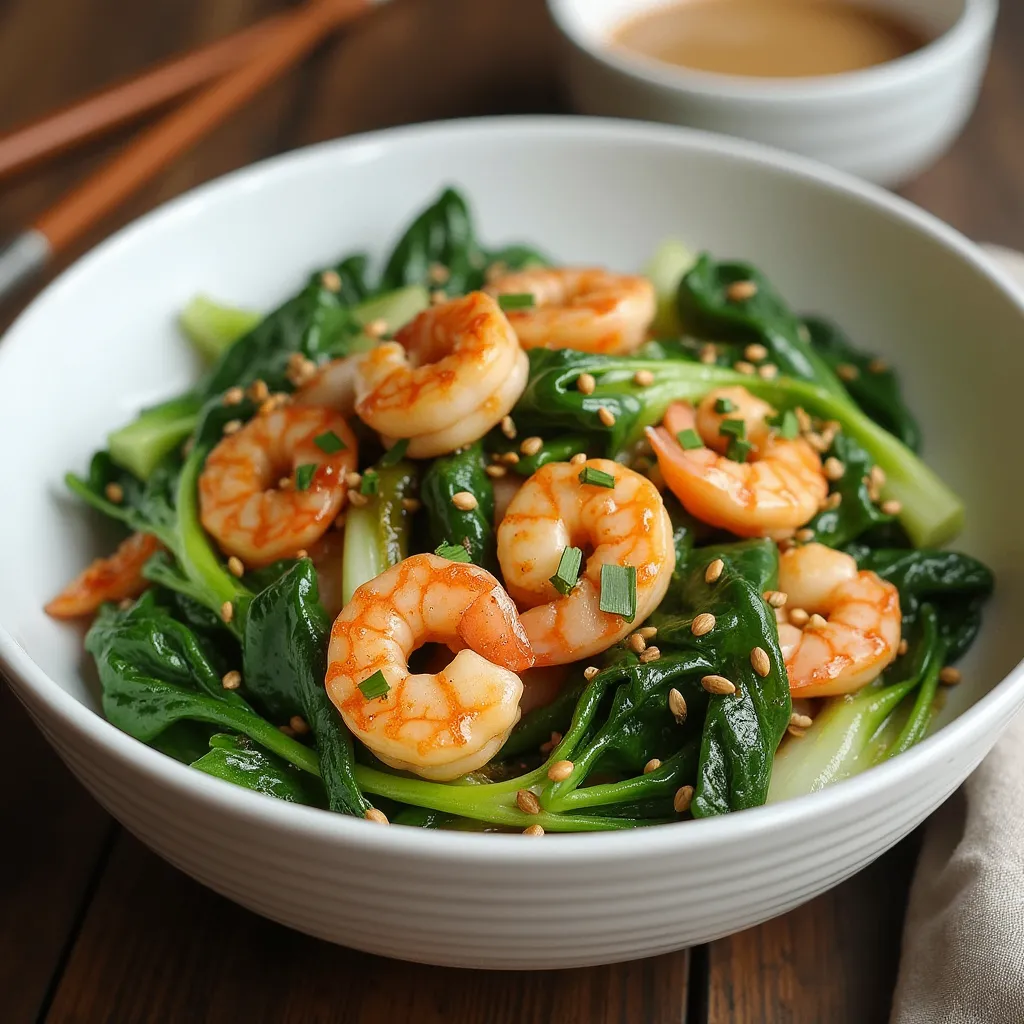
[{"x": 771, "y": 38}]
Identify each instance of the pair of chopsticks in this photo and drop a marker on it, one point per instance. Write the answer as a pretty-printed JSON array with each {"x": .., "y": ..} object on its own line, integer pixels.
[{"x": 232, "y": 71}]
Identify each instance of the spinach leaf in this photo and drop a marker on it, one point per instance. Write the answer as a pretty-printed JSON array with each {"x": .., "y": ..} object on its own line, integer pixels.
[
  {"x": 870, "y": 382},
  {"x": 553, "y": 449},
  {"x": 235, "y": 760}
]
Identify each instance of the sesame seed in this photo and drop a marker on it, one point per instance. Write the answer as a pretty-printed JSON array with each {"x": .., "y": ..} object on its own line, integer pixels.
[
  {"x": 798, "y": 617},
  {"x": 795, "y": 732},
  {"x": 232, "y": 427},
  {"x": 804, "y": 535},
  {"x": 464, "y": 501},
  {"x": 301, "y": 553},
  {"x": 877, "y": 477},
  {"x": 834, "y": 469},
  {"x": 755, "y": 352},
  {"x": 606, "y": 416},
  {"x": 353, "y": 479},
  {"x": 903, "y": 647},
  {"x": 231, "y": 680},
  {"x": 649, "y": 655},
  {"x": 496, "y": 472},
  {"x": 703, "y": 623},
  {"x": 708, "y": 354},
  {"x": 682, "y": 800},
  {"x": 437, "y": 298},
  {"x": 527, "y": 802},
  {"x": 358, "y": 500},
  {"x": 784, "y": 545},
  {"x": 578, "y": 459},
  {"x": 412, "y": 504},
  {"x": 740, "y": 291},
  {"x": 718, "y": 685},
  {"x": 287, "y": 730},
  {"x": 585, "y": 383},
  {"x": 714, "y": 570},
  {"x": 560, "y": 771},
  {"x": 533, "y": 830},
  {"x": 376, "y": 328},
  {"x": 877, "y": 366},
  {"x": 760, "y": 661},
  {"x": 531, "y": 445},
  {"x": 590, "y": 672},
  {"x": 847, "y": 372},
  {"x": 950, "y": 676},
  {"x": 652, "y": 766},
  {"x": 377, "y": 817},
  {"x": 648, "y": 632},
  {"x": 235, "y": 566},
  {"x": 817, "y": 442},
  {"x": 510, "y": 458},
  {"x": 769, "y": 371},
  {"x": 508, "y": 427},
  {"x": 300, "y": 369},
  {"x": 776, "y": 598},
  {"x": 273, "y": 403},
  {"x": 834, "y": 500},
  {"x": 677, "y": 705},
  {"x": 816, "y": 621},
  {"x": 114, "y": 493},
  {"x": 233, "y": 396},
  {"x": 643, "y": 378},
  {"x": 801, "y": 721},
  {"x": 637, "y": 644},
  {"x": 299, "y": 725},
  {"x": 438, "y": 273},
  {"x": 258, "y": 391},
  {"x": 331, "y": 280},
  {"x": 744, "y": 367},
  {"x": 227, "y": 611},
  {"x": 892, "y": 507}
]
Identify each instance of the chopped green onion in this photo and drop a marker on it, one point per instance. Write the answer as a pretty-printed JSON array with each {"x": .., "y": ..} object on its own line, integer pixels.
[
  {"x": 395, "y": 453},
  {"x": 329, "y": 443},
  {"x": 567, "y": 574},
  {"x": 737, "y": 428},
  {"x": 789, "y": 425},
  {"x": 618, "y": 590},
  {"x": 597, "y": 477},
  {"x": 374, "y": 686},
  {"x": 368, "y": 485},
  {"x": 723, "y": 405},
  {"x": 304, "y": 476},
  {"x": 689, "y": 439},
  {"x": 739, "y": 450},
  {"x": 516, "y": 300},
  {"x": 453, "y": 552}
]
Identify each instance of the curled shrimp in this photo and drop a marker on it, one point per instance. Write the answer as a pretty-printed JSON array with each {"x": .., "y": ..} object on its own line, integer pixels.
[
  {"x": 107, "y": 579},
  {"x": 447, "y": 378},
  {"x": 860, "y": 634},
  {"x": 625, "y": 524},
  {"x": 591, "y": 309},
  {"x": 251, "y": 498},
  {"x": 771, "y": 496},
  {"x": 438, "y": 725}
]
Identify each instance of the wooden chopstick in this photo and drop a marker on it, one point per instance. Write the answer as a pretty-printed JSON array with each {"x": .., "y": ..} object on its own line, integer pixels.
[
  {"x": 123, "y": 102},
  {"x": 84, "y": 205}
]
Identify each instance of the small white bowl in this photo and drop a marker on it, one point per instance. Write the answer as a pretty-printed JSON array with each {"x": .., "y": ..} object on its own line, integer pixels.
[
  {"x": 100, "y": 342},
  {"x": 885, "y": 123}
]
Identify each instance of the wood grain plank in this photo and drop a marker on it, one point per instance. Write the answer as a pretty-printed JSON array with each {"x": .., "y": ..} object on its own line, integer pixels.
[
  {"x": 54, "y": 835},
  {"x": 158, "y": 947}
]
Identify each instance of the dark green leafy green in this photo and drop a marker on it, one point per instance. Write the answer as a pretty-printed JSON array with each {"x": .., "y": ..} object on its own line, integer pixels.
[{"x": 234, "y": 759}]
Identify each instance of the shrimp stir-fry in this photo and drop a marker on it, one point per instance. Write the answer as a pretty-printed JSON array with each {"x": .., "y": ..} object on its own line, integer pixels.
[
  {"x": 592, "y": 310},
  {"x": 853, "y": 632},
  {"x": 447, "y": 378},
  {"x": 773, "y": 495},
  {"x": 438, "y": 725},
  {"x": 269, "y": 490},
  {"x": 623, "y": 525}
]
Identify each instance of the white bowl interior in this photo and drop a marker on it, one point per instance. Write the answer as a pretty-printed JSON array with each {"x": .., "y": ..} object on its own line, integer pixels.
[{"x": 101, "y": 342}]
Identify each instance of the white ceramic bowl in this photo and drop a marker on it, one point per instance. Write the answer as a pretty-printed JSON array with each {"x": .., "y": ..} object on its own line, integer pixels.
[
  {"x": 885, "y": 123},
  {"x": 101, "y": 341}
]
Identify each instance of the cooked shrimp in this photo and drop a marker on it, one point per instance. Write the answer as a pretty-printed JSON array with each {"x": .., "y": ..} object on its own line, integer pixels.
[
  {"x": 107, "y": 579},
  {"x": 741, "y": 405},
  {"x": 622, "y": 525},
  {"x": 447, "y": 378},
  {"x": 439, "y": 725},
  {"x": 333, "y": 386},
  {"x": 860, "y": 636},
  {"x": 772, "y": 496},
  {"x": 593, "y": 310},
  {"x": 249, "y": 496}
]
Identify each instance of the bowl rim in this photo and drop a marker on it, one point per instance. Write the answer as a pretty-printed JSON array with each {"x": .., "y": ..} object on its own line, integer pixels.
[
  {"x": 989, "y": 715},
  {"x": 972, "y": 25}
]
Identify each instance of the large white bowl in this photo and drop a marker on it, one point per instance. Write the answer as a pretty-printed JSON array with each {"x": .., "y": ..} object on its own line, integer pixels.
[{"x": 101, "y": 341}]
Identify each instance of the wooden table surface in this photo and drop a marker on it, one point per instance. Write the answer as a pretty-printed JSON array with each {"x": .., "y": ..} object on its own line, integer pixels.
[{"x": 93, "y": 927}]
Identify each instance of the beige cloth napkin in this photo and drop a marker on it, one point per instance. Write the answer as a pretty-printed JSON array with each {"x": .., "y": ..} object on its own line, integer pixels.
[{"x": 963, "y": 941}]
